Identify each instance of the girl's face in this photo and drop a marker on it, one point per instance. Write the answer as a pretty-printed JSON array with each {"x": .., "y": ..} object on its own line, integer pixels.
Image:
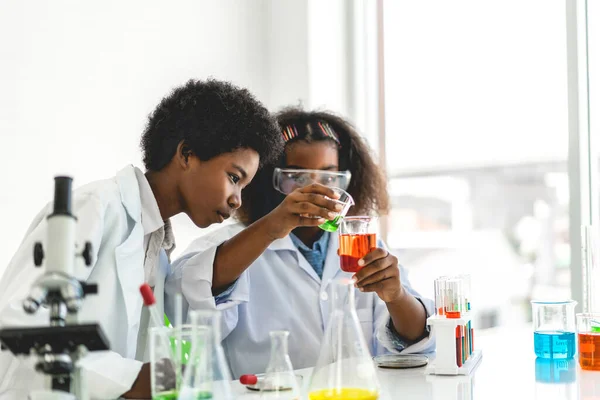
[{"x": 322, "y": 155}]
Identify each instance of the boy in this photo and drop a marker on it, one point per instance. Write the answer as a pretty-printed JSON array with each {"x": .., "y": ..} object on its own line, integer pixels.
[{"x": 202, "y": 145}]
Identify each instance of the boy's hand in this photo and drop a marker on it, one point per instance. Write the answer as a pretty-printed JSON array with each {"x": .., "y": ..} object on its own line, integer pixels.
[
  {"x": 381, "y": 275},
  {"x": 141, "y": 386},
  {"x": 305, "y": 206}
]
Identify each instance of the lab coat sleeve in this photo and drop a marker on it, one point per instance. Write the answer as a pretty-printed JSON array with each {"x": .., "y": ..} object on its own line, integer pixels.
[
  {"x": 388, "y": 341},
  {"x": 109, "y": 374},
  {"x": 191, "y": 275}
]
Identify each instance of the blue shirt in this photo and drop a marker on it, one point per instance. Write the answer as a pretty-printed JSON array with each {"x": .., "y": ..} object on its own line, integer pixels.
[{"x": 316, "y": 255}]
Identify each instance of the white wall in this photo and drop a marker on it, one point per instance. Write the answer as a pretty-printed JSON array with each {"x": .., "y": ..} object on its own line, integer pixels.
[{"x": 78, "y": 79}]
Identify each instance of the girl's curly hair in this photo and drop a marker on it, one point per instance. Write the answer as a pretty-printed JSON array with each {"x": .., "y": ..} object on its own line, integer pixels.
[{"x": 368, "y": 185}]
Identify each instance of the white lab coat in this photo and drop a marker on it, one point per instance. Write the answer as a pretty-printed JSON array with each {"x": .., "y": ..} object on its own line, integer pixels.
[
  {"x": 279, "y": 291},
  {"x": 109, "y": 215}
]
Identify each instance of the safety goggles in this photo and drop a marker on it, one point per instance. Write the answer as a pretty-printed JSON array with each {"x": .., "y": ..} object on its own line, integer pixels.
[{"x": 287, "y": 180}]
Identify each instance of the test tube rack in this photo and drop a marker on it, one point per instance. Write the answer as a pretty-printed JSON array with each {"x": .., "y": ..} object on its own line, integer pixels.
[
  {"x": 451, "y": 326},
  {"x": 450, "y": 345}
]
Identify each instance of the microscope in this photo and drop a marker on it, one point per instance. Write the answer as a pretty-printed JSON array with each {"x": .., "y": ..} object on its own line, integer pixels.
[{"x": 59, "y": 346}]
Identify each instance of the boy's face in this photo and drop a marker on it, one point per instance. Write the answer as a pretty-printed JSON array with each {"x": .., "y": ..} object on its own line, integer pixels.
[{"x": 211, "y": 190}]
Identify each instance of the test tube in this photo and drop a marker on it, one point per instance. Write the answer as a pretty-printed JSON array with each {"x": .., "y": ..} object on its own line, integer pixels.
[
  {"x": 466, "y": 282},
  {"x": 453, "y": 298},
  {"x": 440, "y": 292},
  {"x": 461, "y": 295},
  {"x": 466, "y": 294},
  {"x": 448, "y": 296}
]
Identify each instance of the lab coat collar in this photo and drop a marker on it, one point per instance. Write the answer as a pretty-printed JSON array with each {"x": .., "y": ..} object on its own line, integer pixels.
[
  {"x": 286, "y": 244},
  {"x": 151, "y": 218},
  {"x": 282, "y": 244},
  {"x": 331, "y": 267},
  {"x": 130, "y": 192}
]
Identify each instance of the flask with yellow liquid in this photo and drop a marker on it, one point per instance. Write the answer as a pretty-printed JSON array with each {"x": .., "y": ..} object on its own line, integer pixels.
[{"x": 344, "y": 370}]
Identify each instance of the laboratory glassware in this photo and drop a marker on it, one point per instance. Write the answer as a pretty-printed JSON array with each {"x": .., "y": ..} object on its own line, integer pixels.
[
  {"x": 554, "y": 328},
  {"x": 346, "y": 201},
  {"x": 207, "y": 374},
  {"x": 165, "y": 362},
  {"x": 344, "y": 367},
  {"x": 279, "y": 382},
  {"x": 588, "y": 340},
  {"x": 357, "y": 238}
]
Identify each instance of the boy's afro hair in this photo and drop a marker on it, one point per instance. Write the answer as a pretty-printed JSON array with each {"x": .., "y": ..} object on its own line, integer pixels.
[{"x": 212, "y": 117}]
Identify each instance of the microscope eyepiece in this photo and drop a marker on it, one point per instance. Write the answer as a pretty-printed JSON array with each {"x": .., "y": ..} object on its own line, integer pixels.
[{"x": 62, "y": 195}]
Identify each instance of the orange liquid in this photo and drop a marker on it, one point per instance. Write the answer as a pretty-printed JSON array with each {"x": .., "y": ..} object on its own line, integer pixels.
[
  {"x": 344, "y": 394},
  {"x": 589, "y": 350},
  {"x": 353, "y": 247}
]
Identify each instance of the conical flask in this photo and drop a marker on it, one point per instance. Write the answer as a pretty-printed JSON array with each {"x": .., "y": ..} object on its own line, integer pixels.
[
  {"x": 279, "y": 382},
  {"x": 208, "y": 375},
  {"x": 345, "y": 369}
]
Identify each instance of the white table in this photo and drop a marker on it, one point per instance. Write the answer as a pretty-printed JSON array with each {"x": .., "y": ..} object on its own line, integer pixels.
[{"x": 507, "y": 371}]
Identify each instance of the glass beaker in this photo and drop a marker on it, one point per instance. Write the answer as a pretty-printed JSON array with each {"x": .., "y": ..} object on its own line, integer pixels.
[
  {"x": 554, "y": 328},
  {"x": 165, "y": 365},
  {"x": 279, "y": 381},
  {"x": 588, "y": 340},
  {"x": 344, "y": 369},
  {"x": 346, "y": 201},
  {"x": 207, "y": 375},
  {"x": 357, "y": 239}
]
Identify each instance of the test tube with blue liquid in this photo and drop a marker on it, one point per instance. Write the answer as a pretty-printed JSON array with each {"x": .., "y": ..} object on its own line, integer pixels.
[{"x": 554, "y": 328}]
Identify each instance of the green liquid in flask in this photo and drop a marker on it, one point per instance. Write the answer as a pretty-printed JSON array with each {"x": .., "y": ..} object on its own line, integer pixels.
[
  {"x": 331, "y": 226},
  {"x": 173, "y": 395}
]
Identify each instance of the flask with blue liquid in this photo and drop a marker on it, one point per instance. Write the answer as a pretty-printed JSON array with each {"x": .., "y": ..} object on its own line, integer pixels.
[{"x": 554, "y": 329}]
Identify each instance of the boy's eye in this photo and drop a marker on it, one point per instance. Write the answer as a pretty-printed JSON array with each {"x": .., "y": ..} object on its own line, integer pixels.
[{"x": 234, "y": 178}]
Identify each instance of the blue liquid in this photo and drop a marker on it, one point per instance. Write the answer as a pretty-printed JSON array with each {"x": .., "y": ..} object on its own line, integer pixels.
[
  {"x": 554, "y": 344},
  {"x": 555, "y": 370}
]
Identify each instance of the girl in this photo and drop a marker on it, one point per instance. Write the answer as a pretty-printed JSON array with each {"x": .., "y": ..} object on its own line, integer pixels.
[{"x": 271, "y": 272}]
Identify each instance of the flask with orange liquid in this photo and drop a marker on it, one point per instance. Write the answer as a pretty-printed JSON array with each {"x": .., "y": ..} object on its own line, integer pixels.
[{"x": 344, "y": 369}]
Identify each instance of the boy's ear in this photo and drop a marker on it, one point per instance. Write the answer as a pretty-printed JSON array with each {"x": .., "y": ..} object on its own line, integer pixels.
[{"x": 183, "y": 153}]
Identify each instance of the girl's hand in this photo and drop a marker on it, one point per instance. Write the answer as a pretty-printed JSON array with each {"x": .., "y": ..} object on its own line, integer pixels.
[
  {"x": 381, "y": 275},
  {"x": 307, "y": 206}
]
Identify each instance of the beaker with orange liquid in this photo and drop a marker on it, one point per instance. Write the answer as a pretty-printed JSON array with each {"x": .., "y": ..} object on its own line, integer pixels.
[
  {"x": 357, "y": 239},
  {"x": 588, "y": 338}
]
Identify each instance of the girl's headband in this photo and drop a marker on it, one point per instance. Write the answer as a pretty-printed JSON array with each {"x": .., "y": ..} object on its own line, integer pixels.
[{"x": 290, "y": 132}]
